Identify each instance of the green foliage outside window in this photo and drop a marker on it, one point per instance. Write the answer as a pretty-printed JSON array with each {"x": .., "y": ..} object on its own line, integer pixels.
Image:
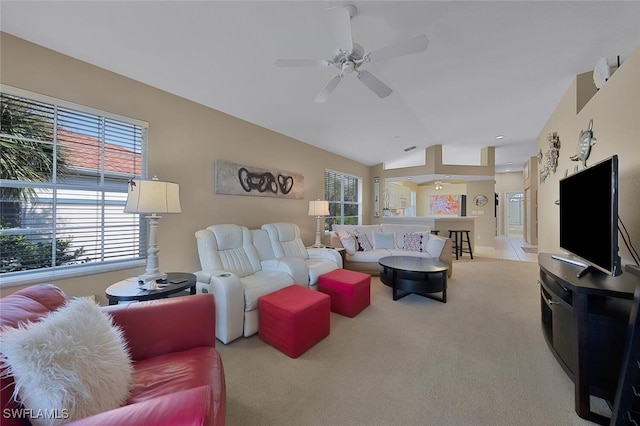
[
  {"x": 26, "y": 155},
  {"x": 17, "y": 253},
  {"x": 342, "y": 193}
]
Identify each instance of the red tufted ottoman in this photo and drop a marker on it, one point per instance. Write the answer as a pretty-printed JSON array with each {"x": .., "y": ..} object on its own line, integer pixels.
[
  {"x": 350, "y": 291},
  {"x": 294, "y": 319}
]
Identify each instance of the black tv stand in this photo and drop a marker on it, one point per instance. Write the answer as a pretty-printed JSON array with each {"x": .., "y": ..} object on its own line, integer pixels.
[
  {"x": 584, "y": 321},
  {"x": 582, "y": 272}
]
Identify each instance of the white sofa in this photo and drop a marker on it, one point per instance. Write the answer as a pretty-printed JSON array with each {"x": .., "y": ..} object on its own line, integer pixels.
[
  {"x": 389, "y": 240},
  {"x": 286, "y": 242},
  {"x": 239, "y": 265},
  {"x": 233, "y": 272}
]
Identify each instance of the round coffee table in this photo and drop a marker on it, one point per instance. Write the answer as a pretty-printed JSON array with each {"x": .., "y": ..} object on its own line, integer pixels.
[
  {"x": 418, "y": 275},
  {"x": 129, "y": 290}
]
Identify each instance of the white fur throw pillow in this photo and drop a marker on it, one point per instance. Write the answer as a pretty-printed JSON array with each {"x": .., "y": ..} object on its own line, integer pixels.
[{"x": 71, "y": 364}]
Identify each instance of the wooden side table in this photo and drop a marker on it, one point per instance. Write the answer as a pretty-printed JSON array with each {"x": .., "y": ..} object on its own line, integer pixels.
[{"x": 128, "y": 290}]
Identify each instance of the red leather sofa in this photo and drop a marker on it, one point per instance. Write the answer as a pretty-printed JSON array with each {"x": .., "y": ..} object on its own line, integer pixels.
[{"x": 178, "y": 373}]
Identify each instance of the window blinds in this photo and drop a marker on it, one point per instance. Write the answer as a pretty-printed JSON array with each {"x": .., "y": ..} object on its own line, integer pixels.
[{"x": 63, "y": 175}]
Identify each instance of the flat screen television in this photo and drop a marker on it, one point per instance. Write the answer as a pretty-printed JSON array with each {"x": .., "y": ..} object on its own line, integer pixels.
[{"x": 589, "y": 216}]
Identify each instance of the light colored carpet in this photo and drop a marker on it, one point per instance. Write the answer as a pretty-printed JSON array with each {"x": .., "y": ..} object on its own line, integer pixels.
[{"x": 479, "y": 359}]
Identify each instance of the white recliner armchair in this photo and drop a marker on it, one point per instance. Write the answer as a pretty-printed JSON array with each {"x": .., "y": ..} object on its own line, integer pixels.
[
  {"x": 287, "y": 243},
  {"x": 233, "y": 272}
]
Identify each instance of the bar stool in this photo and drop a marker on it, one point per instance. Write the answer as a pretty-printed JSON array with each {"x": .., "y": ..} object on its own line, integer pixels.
[{"x": 457, "y": 237}]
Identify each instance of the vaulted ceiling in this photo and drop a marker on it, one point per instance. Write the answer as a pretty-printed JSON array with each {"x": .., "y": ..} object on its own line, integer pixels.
[{"x": 491, "y": 68}]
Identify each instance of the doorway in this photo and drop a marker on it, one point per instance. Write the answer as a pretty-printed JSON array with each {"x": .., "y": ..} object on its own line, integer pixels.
[{"x": 515, "y": 214}]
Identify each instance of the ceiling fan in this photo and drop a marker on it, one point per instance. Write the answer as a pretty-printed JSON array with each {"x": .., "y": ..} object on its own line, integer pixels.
[
  {"x": 439, "y": 184},
  {"x": 350, "y": 56}
]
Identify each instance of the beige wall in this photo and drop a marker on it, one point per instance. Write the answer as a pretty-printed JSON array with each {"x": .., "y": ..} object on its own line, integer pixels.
[
  {"x": 485, "y": 225},
  {"x": 185, "y": 139},
  {"x": 615, "y": 112}
]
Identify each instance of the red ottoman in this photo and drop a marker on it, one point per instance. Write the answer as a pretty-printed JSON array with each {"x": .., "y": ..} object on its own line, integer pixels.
[
  {"x": 350, "y": 291},
  {"x": 294, "y": 319}
]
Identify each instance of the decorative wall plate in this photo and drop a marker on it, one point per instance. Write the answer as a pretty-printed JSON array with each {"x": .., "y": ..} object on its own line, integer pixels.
[{"x": 480, "y": 200}]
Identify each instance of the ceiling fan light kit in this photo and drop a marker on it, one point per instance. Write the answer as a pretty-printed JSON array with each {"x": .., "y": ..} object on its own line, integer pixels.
[{"x": 350, "y": 56}]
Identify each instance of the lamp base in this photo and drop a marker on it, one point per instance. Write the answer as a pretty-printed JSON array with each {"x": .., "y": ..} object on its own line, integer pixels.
[
  {"x": 147, "y": 281},
  {"x": 317, "y": 245}
]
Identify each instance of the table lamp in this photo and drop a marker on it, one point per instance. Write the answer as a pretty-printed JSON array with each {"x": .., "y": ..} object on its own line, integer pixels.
[
  {"x": 318, "y": 209},
  {"x": 152, "y": 197}
]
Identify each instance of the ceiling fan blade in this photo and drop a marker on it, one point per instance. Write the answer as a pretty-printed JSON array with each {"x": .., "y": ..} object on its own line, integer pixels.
[
  {"x": 303, "y": 63},
  {"x": 378, "y": 87},
  {"x": 407, "y": 47},
  {"x": 328, "y": 88},
  {"x": 342, "y": 23}
]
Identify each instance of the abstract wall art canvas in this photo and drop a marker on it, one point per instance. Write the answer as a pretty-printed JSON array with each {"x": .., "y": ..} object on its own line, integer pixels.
[
  {"x": 445, "y": 204},
  {"x": 237, "y": 179}
]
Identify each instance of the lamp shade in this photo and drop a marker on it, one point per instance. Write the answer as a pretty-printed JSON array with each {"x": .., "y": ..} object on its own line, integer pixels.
[
  {"x": 318, "y": 208},
  {"x": 153, "y": 196}
]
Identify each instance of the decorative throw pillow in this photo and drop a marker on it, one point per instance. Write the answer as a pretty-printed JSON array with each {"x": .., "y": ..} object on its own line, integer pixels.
[
  {"x": 416, "y": 241},
  {"x": 348, "y": 241},
  {"x": 384, "y": 240},
  {"x": 73, "y": 363},
  {"x": 434, "y": 246},
  {"x": 365, "y": 244}
]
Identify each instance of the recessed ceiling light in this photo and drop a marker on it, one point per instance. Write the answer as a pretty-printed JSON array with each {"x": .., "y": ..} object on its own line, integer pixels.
[{"x": 499, "y": 137}]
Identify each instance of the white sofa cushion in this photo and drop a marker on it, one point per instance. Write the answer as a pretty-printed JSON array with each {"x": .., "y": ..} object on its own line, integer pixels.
[
  {"x": 358, "y": 229},
  {"x": 434, "y": 246},
  {"x": 364, "y": 241},
  {"x": 416, "y": 241},
  {"x": 386, "y": 240},
  {"x": 348, "y": 241},
  {"x": 262, "y": 283},
  {"x": 286, "y": 240},
  {"x": 369, "y": 256},
  {"x": 231, "y": 249},
  {"x": 319, "y": 267},
  {"x": 401, "y": 230},
  {"x": 287, "y": 243},
  {"x": 402, "y": 252}
]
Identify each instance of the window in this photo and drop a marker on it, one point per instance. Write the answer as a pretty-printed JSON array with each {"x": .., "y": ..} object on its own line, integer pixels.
[
  {"x": 343, "y": 193},
  {"x": 64, "y": 176}
]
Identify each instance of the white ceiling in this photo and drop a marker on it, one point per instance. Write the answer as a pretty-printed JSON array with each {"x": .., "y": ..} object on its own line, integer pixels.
[{"x": 492, "y": 68}]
